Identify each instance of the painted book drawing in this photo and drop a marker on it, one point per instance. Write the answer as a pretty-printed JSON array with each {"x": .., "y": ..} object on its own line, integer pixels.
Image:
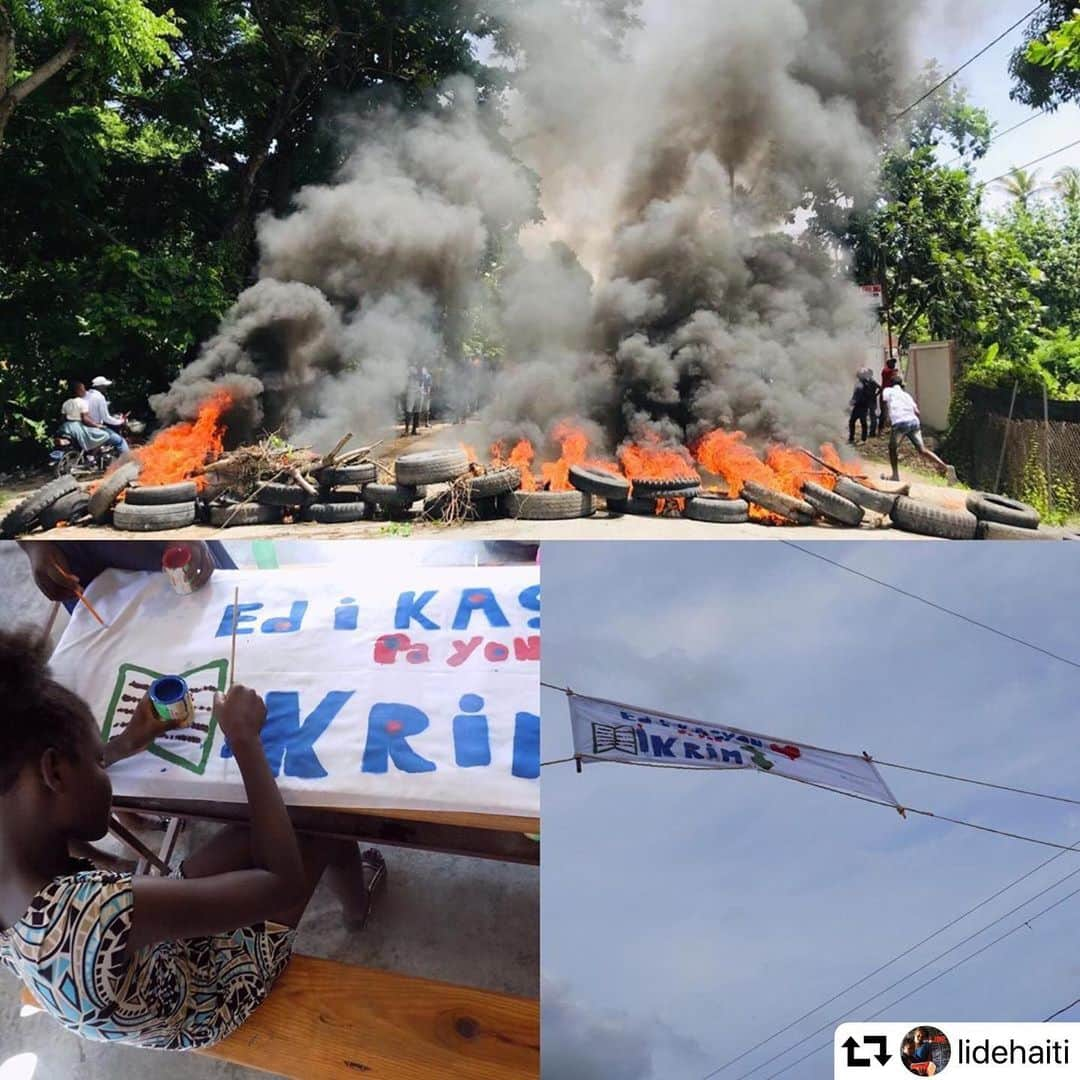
[
  {"x": 188, "y": 747},
  {"x": 614, "y": 737}
]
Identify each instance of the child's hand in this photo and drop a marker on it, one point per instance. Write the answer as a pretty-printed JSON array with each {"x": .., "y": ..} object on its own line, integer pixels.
[
  {"x": 146, "y": 725},
  {"x": 240, "y": 713}
]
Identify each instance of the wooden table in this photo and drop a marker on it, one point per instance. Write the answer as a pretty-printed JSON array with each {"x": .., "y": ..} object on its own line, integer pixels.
[{"x": 483, "y": 836}]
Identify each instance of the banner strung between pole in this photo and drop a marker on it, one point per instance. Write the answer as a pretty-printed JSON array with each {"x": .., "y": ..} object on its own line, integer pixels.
[
  {"x": 416, "y": 690},
  {"x": 610, "y": 731}
]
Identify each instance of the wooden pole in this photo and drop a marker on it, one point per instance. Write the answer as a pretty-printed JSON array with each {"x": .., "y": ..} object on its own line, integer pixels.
[
  {"x": 1005, "y": 439},
  {"x": 1046, "y": 429},
  {"x": 232, "y": 651}
]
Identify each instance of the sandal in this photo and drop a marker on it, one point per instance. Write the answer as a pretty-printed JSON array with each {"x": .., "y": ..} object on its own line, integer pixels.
[{"x": 372, "y": 859}]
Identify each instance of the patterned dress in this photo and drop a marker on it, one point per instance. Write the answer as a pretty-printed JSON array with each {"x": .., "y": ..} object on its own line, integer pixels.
[{"x": 70, "y": 949}]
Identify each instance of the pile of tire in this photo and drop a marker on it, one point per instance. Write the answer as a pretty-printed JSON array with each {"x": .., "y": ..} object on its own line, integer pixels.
[
  {"x": 341, "y": 496},
  {"x": 150, "y": 507},
  {"x": 655, "y": 498},
  {"x": 62, "y": 499},
  {"x": 1000, "y": 518},
  {"x": 797, "y": 511}
]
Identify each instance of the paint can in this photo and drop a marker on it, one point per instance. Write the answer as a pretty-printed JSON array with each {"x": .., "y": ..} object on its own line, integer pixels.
[
  {"x": 172, "y": 700},
  {"x": 179, "y": 565}
]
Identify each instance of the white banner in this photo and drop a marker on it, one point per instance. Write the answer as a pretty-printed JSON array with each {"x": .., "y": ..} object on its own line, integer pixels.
[
  {"x": 608, "y": 731},
  {"x": 413, "y": 690}
]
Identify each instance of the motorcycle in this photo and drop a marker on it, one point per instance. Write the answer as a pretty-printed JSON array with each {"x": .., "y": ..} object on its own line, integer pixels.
[{"x": 69, "y": 459}]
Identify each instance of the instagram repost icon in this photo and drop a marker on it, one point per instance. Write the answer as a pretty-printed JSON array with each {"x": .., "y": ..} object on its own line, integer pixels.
[{"x": 925, "y": 1051}]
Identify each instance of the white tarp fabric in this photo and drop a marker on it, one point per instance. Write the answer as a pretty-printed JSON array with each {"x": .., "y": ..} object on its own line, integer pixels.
[
  {"x": 418, "y": 689},
  {"x": 609, "y": 731}
]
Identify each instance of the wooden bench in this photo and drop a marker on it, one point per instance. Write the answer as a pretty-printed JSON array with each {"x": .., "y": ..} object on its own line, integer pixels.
[{"x": 324, "y": 1020}]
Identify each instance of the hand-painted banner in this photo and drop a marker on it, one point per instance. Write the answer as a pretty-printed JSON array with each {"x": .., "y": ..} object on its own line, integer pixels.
[
  {"x": 608, "y": 731},
  {"x": 420, "y": 692}
]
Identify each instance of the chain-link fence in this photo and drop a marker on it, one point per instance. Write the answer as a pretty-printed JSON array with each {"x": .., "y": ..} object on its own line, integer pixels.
[{"x": 1035, "y": 456}]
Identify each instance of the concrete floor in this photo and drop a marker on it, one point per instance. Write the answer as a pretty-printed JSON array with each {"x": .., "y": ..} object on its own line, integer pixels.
[{"x": 467, "y": 921}]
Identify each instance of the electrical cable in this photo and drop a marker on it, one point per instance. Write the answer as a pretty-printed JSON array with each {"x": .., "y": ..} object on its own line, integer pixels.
[
  {"x": 1054, "y": 1016},
  {"x": 939, "y": 975},
  {"x": 967, "y": 63},
  {"x": 930, "y": 603},
  {"x": 1017, "y": 168},
  {"x": 1001, "y": 135}
]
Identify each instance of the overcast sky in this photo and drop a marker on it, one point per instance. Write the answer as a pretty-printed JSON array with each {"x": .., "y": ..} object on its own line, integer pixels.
[{"x": 688, "y": 915}]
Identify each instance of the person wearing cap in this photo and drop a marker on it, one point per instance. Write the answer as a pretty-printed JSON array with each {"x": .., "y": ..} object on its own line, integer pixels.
[
  {"x": 889, "y": 374},
  {"x": 904, "y": 419},
  {"x": 100, "y": 414},
  {"x": 78, "y": 424}
]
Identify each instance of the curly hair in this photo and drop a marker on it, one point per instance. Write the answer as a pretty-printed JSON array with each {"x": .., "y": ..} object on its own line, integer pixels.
[{"x": 38, "y": 713}]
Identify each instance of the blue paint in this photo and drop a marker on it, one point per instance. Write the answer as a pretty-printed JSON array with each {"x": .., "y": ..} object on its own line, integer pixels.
[
  {"x": 345, "y": 614},
  {"x": 662, "y": 747},
  {"x": 290, "y": 744},
  {"x": 734, "y": 756},
  {"x": 529, "y": 599},
  {"x": 168, "y": 690},
  {"x": 472, "y": 745},
  {"x": 289, "y": 625},
  {"x": 478, "y": 600},
  {"x": 237, "y": 616},
  {"x": 496, "y": 652},
  {"x": 390, "y": 723},
  {"x": 526, "y": 746},
  {"x": 410, "y": 610}
]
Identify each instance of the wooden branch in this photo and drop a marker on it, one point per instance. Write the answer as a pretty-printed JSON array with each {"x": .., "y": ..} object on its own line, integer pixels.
[
  {"x": 47, "y": 70},
  {"x": 310, "y": 488},
  {"x": 333, "y": 453}
]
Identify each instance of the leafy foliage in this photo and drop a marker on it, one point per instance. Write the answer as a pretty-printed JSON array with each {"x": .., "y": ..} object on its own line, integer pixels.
[
  {"x": 1061, "y": 49},
  {"x": 1036, "y": 82}
]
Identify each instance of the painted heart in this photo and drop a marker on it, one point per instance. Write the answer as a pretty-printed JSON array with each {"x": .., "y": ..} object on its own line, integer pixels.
[{"x": 788, "y": 751}]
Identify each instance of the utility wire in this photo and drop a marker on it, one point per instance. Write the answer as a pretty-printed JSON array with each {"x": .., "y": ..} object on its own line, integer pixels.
[
  {"x": 904, "y": 978},
  {"x": 967, "y": 63},
  {"x": 930, "y": 603},
  {"x": 1054, "y": 1016},
  {"x": 1053, "y": 153},
  {"x": 1001, "y": 135},
  {"x": 903, "y": 954},
  {"x": 939, "y": 975}
]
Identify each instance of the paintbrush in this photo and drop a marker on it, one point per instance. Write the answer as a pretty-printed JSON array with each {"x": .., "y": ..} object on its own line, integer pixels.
[
  {"x": 236, "y": 617},
  {"x": 49, "y": 624},
  {"x": 79, "y": 594}
]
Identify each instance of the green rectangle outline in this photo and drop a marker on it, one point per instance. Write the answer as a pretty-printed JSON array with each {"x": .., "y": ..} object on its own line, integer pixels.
[{"x": 166, "y": 755}]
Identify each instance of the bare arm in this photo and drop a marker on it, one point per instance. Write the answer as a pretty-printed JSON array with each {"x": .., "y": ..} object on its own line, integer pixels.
[{"x": 167, "y": 909}]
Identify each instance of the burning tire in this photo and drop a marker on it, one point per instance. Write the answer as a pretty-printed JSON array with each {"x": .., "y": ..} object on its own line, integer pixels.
[
  {"x": 21, "y": 518},
  {"x": 161, "y": 494},
  {"x": 832, "y": 506},
  {"x": 66, "y": 508},
  {"x": 108, "y": 491},
  {"x": 674, "y": 487},
  {"x": 430, "y": 467},
  {"x": 392, "y": 496},
  {"x": 334, "y": 513},
  {"x": 881, "y": 502},
  {"x": 930, "y": 520},
  {"x": 717, "y": 509},
  {"x": 349, "y": 475},
  {"x": 639, "y": 507},
  {"x": 135, "y": 518},
  {"x": 599, "y": 482},
  {"x": 547, "y": 505},
  {"x": 285, "y": 495},
  {"x": 246, "y": 513},
  {"x": 1002, "y": 511},
  {"x": 494, "y": 483},
  {"x": 776, "y": 502},
  {"x": 993, "y": 530}
]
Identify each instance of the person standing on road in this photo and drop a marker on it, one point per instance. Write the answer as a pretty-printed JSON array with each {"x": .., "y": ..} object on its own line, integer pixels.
[
  {"x": 889, "y": 374},
  {"x": 903, "y": 414},
  {"x": 99, "y": 411},
  {"x": 863, "y": 403},
  {"x": 413, "y": 394}
]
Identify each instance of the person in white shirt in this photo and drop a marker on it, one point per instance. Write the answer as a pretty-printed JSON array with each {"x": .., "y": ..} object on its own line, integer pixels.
[
  {"x": 99, "y": 411},
  {"x": 78, "y": 423},
  {"x": 904, "y": 417}
]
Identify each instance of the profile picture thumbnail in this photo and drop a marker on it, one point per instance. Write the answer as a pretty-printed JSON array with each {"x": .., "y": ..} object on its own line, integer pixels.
[{"x": 925, "y": 1051}]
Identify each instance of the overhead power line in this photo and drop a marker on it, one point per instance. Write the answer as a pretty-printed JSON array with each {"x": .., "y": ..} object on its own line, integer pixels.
[
  {"x": 1027, "y": 165},
  {"x": 1001, "y": 135},
  {"x": 1054, "y": 1016},
  {"x": 930, "y": 603},
  {"x": 967, "y": 63},
  {"x": 939, "y": 975},
  {"x": 911, "y": 974}
]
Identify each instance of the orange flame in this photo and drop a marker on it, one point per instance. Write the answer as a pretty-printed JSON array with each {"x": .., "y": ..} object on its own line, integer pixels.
[
  {"x": 521, "y": 458},
  {"x": 177, "y": 451},
  {"x": 651, "y": 459},
  {"x": 554, "y": 475}
]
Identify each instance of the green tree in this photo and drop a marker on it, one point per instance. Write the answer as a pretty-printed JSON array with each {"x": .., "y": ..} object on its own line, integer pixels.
[
  {"x": 1021, "y": 186},
  {"x": 1067, "y": 183},
  {"x": 1042, "y": 84},
  {"x": 114, "y": 43}
]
